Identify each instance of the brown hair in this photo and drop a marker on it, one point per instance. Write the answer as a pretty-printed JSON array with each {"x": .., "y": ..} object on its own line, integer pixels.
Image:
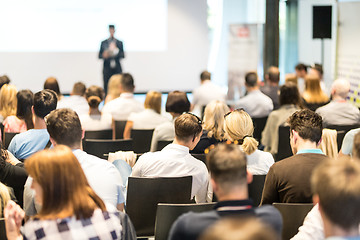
[
  {"x": 127, "y": 82},
  {"x": 187, "y": 126},
  {"x": 153, "y": 101},
  {"x": 289, "y": 94},
  {"x": 79, "y": 88},
  {"x": 307, "y": 123},
  {"x": 239, "y": 126},
  {"x": 356, "y": 147},
  {"x": 227, "y": 165},
  {"x": 337, "y": 183},
  {"x": 66, "y": 191},
  {"x": 273, "y": 74},
  {"x": 94, "y": 96},
  {"x": 64, "y": 127},
  {"x": 313, "y": 92},
  {"x": 177, "y": 102},
  {"x": 205, "y": 75},
  {"x": 52, "y": 84}
]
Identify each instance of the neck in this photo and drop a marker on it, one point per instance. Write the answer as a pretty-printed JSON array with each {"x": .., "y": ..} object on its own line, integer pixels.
[
  {"x": 251, "y": 89},
  {"x": 330, "y": 229},
  {"x": 174, "y": 115},
  {"x": 273, "y": 84},
  {"x": 337, "y": 98},
  {"x": 94, "y": 111},
  {"x": 240, "y": 193},
  {"x": 182, "y": 143},
  {"x": 39, "y": 123},
  {"x": 306, "y": 144}
]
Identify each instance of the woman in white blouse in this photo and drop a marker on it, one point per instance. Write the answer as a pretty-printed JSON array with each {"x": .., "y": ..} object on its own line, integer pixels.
[{"x": 147, "y": 119}]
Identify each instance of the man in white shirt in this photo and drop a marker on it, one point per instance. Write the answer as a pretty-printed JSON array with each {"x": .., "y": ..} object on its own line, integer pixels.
[
  {"x": 64, "y": 128},
  {"x": 175, "y": 160},
  {"x": 76, "y": 101},
  {"x": 206, "y": 92},
  {"x": 121, "y": 107},
  {"x": 255, "y": 103}
]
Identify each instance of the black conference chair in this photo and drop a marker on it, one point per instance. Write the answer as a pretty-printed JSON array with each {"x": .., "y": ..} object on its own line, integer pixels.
[
  {"x": 101, "y": 134},
  {"x": 259, "y": 125},
  {"x": 119, "y": 129},
  {"x": 8, "y": 136},
  {"x": 99, "y": 147},
  {"x": 341, "y": 132},
  {"x": 256, "y": 188},
  {"x": 161, "y": 144},
  {"x": 166, "y": 215},
  {"x": 293, "y": 215},
  {"x": 142, "y": 139},
  {"x": 284, "y": 148},
  {"x": 2, "y": 131},
  {"x": 2, "y": 229},
  {"x": 144, "y": 194}
]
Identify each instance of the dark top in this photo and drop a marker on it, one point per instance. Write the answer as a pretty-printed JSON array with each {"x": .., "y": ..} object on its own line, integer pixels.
[
  {"x": 314, "y": 106},
  {"x": 288, "y": 181},
  {"x": 272, "y": 92},
  {"x": 191, "y": 225},
  {"x": 204, "y": 143},
  {"x": 104, "y": 46},
  {"x": 14, "y": 177}
]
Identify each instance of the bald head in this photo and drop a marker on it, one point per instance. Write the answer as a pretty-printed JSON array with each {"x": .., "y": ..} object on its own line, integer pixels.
[
  {"x": 340, "y": 88},
  {"x": 273, "y": 74}
]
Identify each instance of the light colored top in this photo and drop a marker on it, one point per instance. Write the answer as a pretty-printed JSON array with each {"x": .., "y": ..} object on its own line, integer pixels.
[
  {"x": 147, "y": 119},
  {"x": 76, "y": 103},
  {"x": 163, "y": 132},
  {"x": 95, "y": 122},
  {"x": 339, "y": 113},
  {"x": 348, "y": 142},
  {"x": 23, "y": 145},
  {"x": 256, "y": 104},
  {"x": 14, "y": 124},
  {"x": 259, "y": 162},
  {"x": 102, "y": 176},
  {"x": 270, "y": 134},
  {"x": 207, "y": 92},
  {"x": 101, "y": 225},
  {"x": 175, "y": 161},
  {"x": 121, "y": 107}
]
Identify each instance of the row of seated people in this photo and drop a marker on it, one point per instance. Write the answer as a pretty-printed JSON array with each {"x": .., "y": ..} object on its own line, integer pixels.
[{"x": 228, "y": 168}]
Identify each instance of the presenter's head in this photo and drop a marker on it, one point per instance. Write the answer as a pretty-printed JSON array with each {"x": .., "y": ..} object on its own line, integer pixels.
[{"x": 111, "y": 30}]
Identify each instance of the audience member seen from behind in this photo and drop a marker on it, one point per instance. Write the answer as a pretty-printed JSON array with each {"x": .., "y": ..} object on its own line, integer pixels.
[
  {"x": 229, "y": 180},
  {"x": 113, "y": 88},
  {"x": 4, "y": 79},
  {"x": 52, "y": 84},
  {"x": 67, "y": 202},
  {"x": 239, "y": 229},
  {"x": 176, "y": 104},
  {"x": 271, "y": 88},
  {"x": 313, "y": 96},
  {"x": 291, "y": 78},
  {"x": 8, "y": 101},
  {"x": 301, "y": 72},
  {"x": 174, "y": 160},
  {"x": 339, "y": 111},
  {"x": 76, "y": 101},
  {"x": 4, "y": 198},
  {"x": 336, "y": 187},
  {"x": 288, "y": 180},
  {"x": 239, "y": 127},
  {"x": 213, "y": 126},
  {"x": 290, "y": 102},
  {"x": 150, "y": 118},
  {"x": 23, "y": 119},
  {"x": 255, "y": 103},
  {"x": 95, "y": 120}
]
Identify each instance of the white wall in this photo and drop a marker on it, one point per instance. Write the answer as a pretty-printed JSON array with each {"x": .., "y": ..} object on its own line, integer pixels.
[
  {"x": 309, "y": 50},
  {"x": 176, "y": 68}
]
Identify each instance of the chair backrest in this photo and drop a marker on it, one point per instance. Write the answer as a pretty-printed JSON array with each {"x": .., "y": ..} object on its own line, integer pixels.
[
  {"x": 101, "y": 134},
  {"x": 166, "y": 215},
  {"x": 144, "y": 194},
  {"x": 99, "y": 147},
  {"x": 256, "y": 188},
  {"x": 284, "y": 148},
  {"x": 119, "y": 129},
  {"x": 2, "y": 229},
  {"x": 293, "y": 215},
  {"x": 259, "y": 125},
  {"x": 341, "y": 131},
  {"x": 7, "y": 138},
  {"x": 142, "y": 139},
  {"x": 161, "y": 144}
]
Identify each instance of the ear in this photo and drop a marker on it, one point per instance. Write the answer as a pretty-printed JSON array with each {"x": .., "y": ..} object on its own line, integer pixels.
[
  {"x": 320, "y": 141},
  {"x": 32, "y": 109},
  {"x": 295, "y": 135},
  {"x": 249, "y": 177},
  {"x": 82, "y": 134},
  {"x": 214, "y": 185},
  {"x": 316, "y": 199}
]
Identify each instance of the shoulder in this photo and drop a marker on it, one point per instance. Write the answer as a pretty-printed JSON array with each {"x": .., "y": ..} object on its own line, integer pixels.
[{"x": 270, "y": 215}]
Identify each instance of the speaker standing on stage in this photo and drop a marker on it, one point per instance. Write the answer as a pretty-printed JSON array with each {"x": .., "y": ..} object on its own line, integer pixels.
[{"x": 111, "y": 51}]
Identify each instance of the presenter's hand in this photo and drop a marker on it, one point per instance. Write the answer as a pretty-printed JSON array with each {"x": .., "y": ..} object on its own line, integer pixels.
[{"x": 105, "y": 54}]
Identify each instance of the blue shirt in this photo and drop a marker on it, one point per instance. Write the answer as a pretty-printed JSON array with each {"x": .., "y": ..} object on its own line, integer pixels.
[
  {"x": 318, "y": 151},
  {"x": 23, "y": 145}
]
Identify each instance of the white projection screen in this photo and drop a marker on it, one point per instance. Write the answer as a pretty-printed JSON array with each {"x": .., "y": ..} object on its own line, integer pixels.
[{"x": 165, "y": 41}]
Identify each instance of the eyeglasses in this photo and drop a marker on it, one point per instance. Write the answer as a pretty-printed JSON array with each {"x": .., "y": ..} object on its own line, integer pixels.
[{"x": 236, "y": 110}]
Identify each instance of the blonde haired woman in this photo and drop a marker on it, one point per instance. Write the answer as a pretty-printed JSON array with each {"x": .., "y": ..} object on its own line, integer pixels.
[
  {"x": 8, "y": 101},
  {"x": 239, "y": 128},
  {"x": 113, "y": 88},
  {"x": 4, "y": 198},
  {"x": 313, "y": 96},
  {"x": 213, "y": 126},
  {"x": 149, "y": 118}
]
